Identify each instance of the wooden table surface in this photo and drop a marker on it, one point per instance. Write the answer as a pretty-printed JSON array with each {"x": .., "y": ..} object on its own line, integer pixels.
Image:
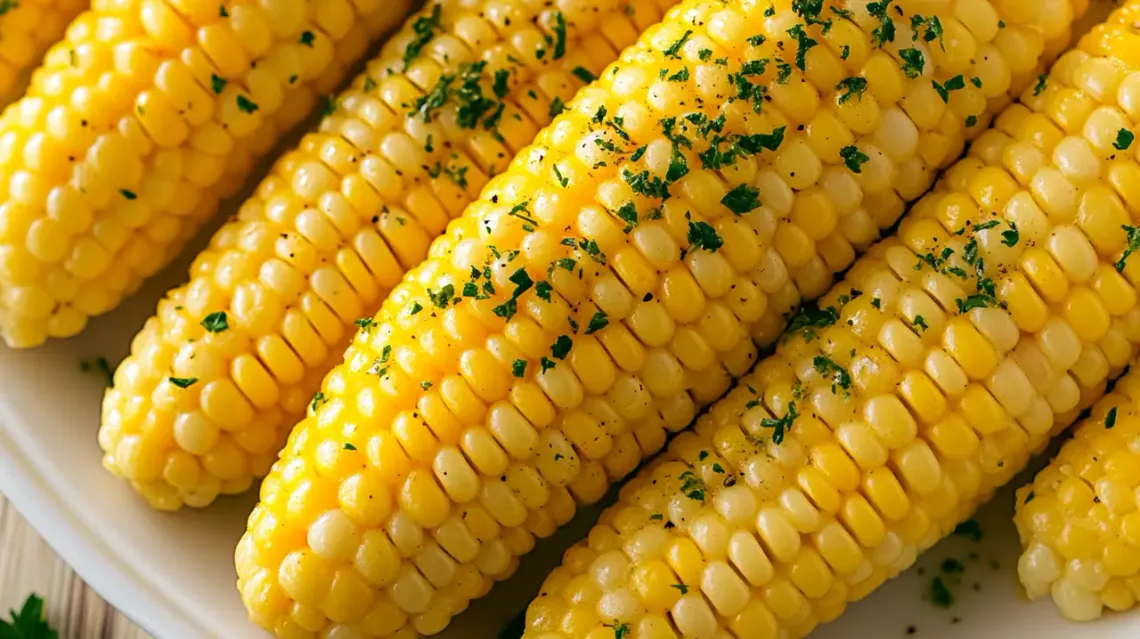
[{"x": 28, "y": 564}]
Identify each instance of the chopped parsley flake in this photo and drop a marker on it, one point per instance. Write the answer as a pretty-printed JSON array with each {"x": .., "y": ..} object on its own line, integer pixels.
[
  {"x": 1124, "y": 139},
  {"x": 518, "y": 368},
  {"x": 809, "y": 317},
  {"x": 559, "y": 36},
  {"x": 583, "y": 74},
  {"x": 423, "y": 28},
  {"x": 785, "y": 72},
  {"x": 183, "y": 382},
  {"x": 561, "y": 347},
  {"x": 976, "y": 300},
  {"x": 853, "y": 86},
  {"x": 1110, "y": 419},
  {"x": 644, "y": 184},
  {"x": 543, "y": 290},
  {"x": 628, "y": 214},
  {"x": 953, "y": 84},
  {"x": 742, "y": 146},
  {"x": 597, "y": 323},
  {"x": 1133, "y": 245},
  {"x": 702, "y": 235},
  {"x": 969, "y": 529},
  {"x": 939, "y": 594},
  {"x": 839, "y": 376},
  {"x": 546, "y": 364},
  {"x": 674, "y": 50},
  {"x": 885, "y": 32},
  {"x": 913, "y": 62},
  {"x": 1010, "y": 237},
  {"x": 246, "y": 105},
  {"x": 853, "y": 158},
  {"x": 217, "y": 83},
  {"x": 933, "y": 27},
  {"x": 215, "y": 322},
  {"x": 803, "y": 45},
  {"x": 557, "y": 106},
  {"x": 564, "y": 181},
  {"x": 443, "y": 296},
  {"x": 782, "y": 426},
  {"x": 591, "y": 248},
  {"x": 692, "y": 486},
  {"x": 742, "y": 199},
  {"x": 1042, "y": 81},
  {"x": 101, "y": 366},
  {"x": 501, "y": 85}
]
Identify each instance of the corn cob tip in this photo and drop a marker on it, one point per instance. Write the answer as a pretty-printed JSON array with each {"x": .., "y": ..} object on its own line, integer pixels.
[{"x": 1077, "y": 519}]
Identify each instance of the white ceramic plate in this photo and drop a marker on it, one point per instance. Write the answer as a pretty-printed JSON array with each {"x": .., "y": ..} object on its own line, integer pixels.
[{"x": 173, "y": 574}]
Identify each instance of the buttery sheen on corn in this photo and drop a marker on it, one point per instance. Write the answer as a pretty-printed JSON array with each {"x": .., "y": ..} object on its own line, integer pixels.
[
  {"x": 606, "y": 287},
  {"x": 889, "y": 413},
  {"x": 1078, "y": 520},
  {"x": 27, "y": 29},
  {"x": 328, "y": 234},
  {"x": 409, "y": 147},
  {"x": 138, "y": 122}
]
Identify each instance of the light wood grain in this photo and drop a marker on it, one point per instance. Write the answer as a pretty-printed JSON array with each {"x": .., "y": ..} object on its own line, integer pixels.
[{"x": 28, "y": 564}]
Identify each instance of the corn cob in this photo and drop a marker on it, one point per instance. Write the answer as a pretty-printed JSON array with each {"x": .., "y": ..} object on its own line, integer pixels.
[
  {"x": 600, "y": 292},
  {"x": 138, "y": 122},
  {"x": 27, "y": 29},
  {"x": 354, "y": 207},
  {"x": 925, "y": 381},
  {"x": 1077, "y": 520}
]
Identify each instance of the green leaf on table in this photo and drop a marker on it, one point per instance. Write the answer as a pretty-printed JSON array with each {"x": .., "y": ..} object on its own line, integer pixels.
[{"x": 28, "y": 623}]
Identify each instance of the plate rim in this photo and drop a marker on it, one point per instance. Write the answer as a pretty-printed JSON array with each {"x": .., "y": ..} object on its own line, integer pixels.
[{"x": 46, "y": 510}]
